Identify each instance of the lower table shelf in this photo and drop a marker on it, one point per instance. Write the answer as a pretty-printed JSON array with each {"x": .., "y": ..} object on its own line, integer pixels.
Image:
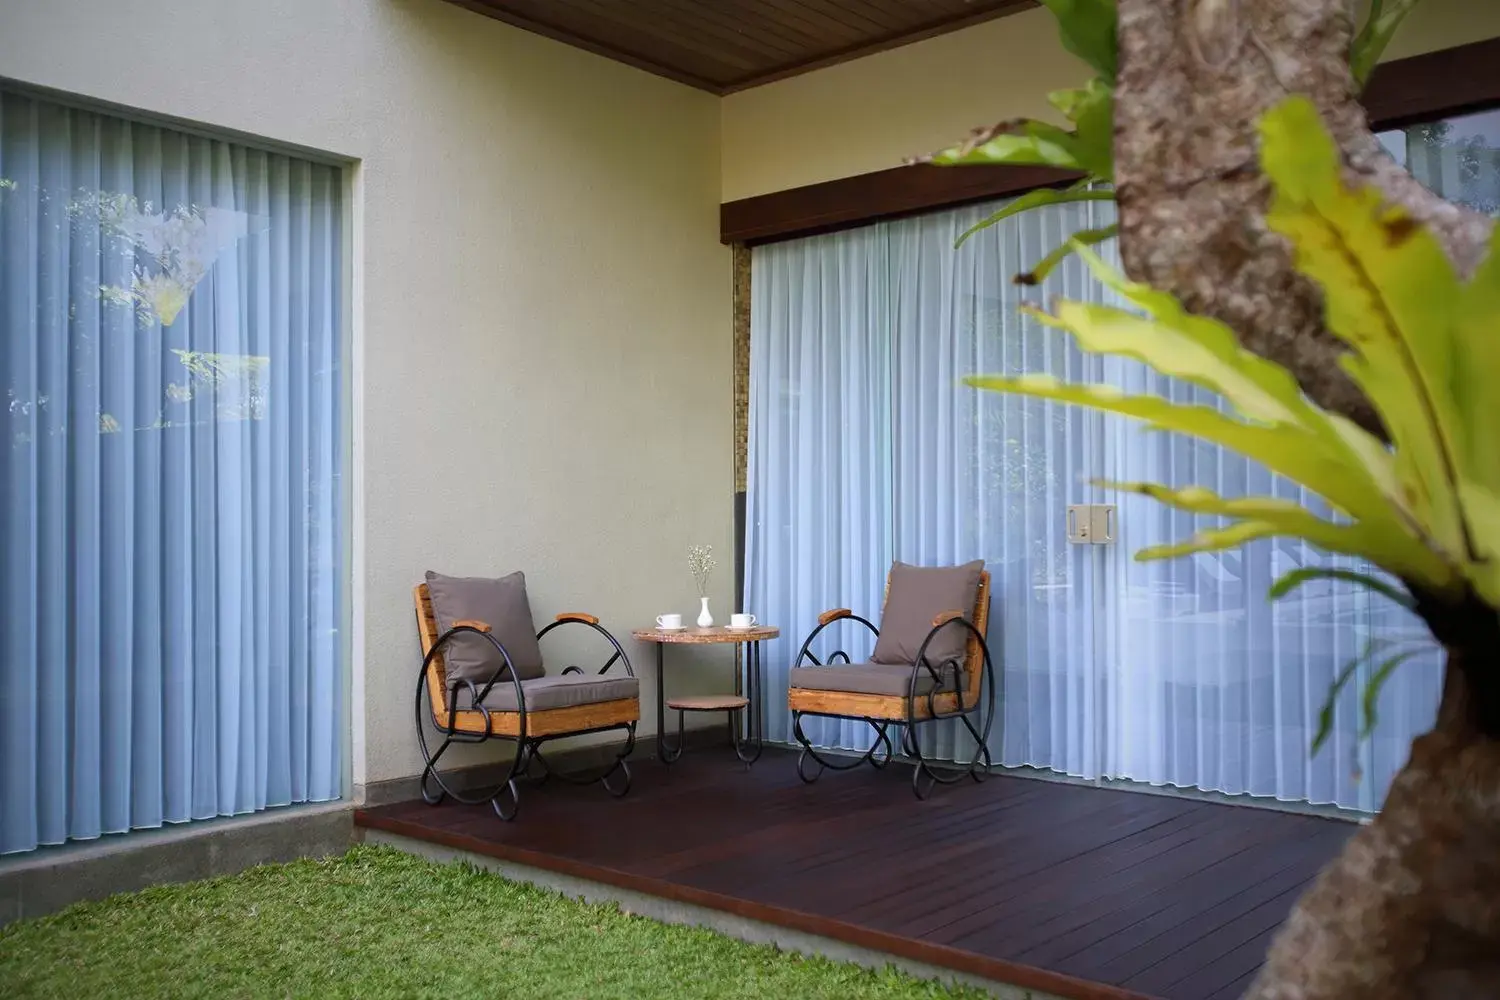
[{"x": 709, "y": 703}]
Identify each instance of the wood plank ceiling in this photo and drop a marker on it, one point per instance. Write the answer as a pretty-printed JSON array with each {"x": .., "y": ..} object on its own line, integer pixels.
[{"x": 727, "y": 45}]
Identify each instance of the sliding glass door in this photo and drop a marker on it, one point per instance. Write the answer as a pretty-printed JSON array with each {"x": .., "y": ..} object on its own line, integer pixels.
[{"x": 866, "y": 447}]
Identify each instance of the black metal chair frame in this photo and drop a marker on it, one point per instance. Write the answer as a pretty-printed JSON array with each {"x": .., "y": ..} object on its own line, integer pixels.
[
  {"x": 924, "y": 776},
  {"x": 528, "y": 748}
]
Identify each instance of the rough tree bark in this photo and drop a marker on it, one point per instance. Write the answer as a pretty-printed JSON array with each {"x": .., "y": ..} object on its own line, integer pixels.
[
  {"x": 1412, "y": 907},
  {"x": 1195, "y": 76}
]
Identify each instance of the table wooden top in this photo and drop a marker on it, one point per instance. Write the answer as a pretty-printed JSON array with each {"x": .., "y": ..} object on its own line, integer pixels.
[{"x": 719, "y": 633}]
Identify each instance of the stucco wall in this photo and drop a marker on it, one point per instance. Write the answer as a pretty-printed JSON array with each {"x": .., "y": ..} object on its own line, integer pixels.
[
  {"x": 540, "y": 300},
  {"x": 871, "y": 113}
]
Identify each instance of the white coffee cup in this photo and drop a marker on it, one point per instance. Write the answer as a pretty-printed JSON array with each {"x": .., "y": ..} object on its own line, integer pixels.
[
  {"x": 741, "y": 621},
  {"x": 669, "y": 621}
]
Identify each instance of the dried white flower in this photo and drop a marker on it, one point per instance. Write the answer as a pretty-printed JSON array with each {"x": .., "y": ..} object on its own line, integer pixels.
[{"x": 701, "y": 562}]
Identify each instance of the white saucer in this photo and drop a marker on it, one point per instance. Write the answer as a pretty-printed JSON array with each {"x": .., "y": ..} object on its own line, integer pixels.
[
  {"x": 671, "y": 628},
  {"x": 740, "y": 628}
]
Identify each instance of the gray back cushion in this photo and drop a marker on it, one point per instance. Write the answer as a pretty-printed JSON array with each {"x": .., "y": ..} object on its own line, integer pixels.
[
  {"x": 502, "y": 605},
  {"x": 917, "y": 595}
]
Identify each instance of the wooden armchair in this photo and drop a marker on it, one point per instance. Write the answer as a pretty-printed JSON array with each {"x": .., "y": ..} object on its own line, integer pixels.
[
  {"x": 503, "y": 693},
  {"x": 930, "y": 663}
]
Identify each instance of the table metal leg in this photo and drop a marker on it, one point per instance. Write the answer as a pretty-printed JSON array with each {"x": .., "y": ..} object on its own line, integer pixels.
[
  {"x": 734, "y": 719},
  {"x": 749, "y": 751},
  {"x": 665, "y": 752}
]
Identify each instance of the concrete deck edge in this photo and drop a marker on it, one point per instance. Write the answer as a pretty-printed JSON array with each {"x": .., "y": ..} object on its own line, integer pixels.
[
  {"x": 53, "y": 878},
  {"x": 674, "y": 912}
]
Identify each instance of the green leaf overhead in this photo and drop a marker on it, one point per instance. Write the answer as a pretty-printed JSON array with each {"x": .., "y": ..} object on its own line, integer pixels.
[
  {"x": 1377, "y": 681},
  {"x": 1019, "y": 143},
  {"x": 1054, "y": 257},
  {"x": 1380, "y": 27},
  {"x": 1088, "y": 30},
  {"x": 1389, "y": 293},
  {"x": 1286, "y": 517},
  {"x": 1325, "y": 714},
  {"x": 1087, "y": 148},
  {"x": 1422, "y": 346},
  {"x": 1291, "y": 581},
  {"x": 1036, "y": 199},
  {"x": 1476, "y": 322},
  {"x": 1091, "y": 109}
]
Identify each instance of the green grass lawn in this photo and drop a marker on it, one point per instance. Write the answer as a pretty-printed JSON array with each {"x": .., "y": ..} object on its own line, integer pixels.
[{"x": 379, "y": 923}]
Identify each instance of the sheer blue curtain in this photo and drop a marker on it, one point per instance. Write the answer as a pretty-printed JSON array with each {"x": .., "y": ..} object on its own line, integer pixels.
[
  {"x": 171, "y": 536},
  {"x": 1210, "y": 685},
  {"x": 821, "y": 385},
  {"x": 865, "y": 448}
]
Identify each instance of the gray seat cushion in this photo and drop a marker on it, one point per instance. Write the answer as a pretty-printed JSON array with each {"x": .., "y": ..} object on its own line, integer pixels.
[
  {"x": 917, "y": 595},
  {"x": 567, "y": 691},
  {"x": 503, "y": 606},
  {"x": 865, "y": 678}
]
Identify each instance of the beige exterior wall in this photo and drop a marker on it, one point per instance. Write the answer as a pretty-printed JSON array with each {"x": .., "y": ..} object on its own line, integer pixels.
[
  {"x": 540, "y": 299},
  {"x": 871, "y": 113}
]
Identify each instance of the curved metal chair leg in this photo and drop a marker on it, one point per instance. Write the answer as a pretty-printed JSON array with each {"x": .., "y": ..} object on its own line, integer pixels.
[
  {"x": 881, "y": 737},
  {"x": 499, "y": 797},
  {"x": 909, "y": 742},
  {"x": 977, "y": 772},
  {"x": 802, "y": 759},
  {"x": 917, "y": 774},
  {"x": 528, "y": 755},
  {"x": 919, "y": 769},
  {"x": 872, "y": 756},
  {"x": 924, "y": 777},
  {"x": 430, "y": 770},
  {"x": 430, "y": 776},
  {"x": 622, "y": 767}
]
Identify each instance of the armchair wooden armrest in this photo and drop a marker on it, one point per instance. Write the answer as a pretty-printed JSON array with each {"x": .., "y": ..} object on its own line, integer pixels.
[
  {"x": 944, "y": 617},
  {"x": 834, "y": 615},
  {"x": 578, "y": 616},
  {"x": 471, "y": 623}
]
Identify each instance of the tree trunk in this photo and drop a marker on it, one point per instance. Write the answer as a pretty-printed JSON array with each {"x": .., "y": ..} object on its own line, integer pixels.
[
  {"x": 1195, "y": 76},
  {"x": 1412, "y": 907}
]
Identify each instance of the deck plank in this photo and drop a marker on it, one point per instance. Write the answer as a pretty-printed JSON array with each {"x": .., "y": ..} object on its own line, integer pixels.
[{"x": 1084, "y": 892}]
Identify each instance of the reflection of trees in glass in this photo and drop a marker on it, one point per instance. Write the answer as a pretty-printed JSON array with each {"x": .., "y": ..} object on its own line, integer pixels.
[
  {"x": 173, "y": 248},
  {"x": 1020, "y": 481},
  {"x": 1463, "y": 169},
  {"x": 236, "y": 383},
  {"x": 163, "y": 255}
]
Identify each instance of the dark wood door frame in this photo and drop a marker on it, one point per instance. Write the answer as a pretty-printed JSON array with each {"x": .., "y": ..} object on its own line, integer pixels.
[{"x": 1403, "y": 92}]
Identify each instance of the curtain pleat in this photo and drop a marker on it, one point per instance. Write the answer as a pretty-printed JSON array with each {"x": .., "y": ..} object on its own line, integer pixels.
[
  {"x": 866, "y": 447},
  {"x": 171, "y": 540}
]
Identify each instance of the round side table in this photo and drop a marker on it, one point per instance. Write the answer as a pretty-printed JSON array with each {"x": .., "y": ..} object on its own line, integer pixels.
[{"x": 748, "y": 750}]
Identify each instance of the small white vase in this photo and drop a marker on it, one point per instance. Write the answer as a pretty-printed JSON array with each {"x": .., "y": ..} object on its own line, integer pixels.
[{"x": 705, "y": 620}]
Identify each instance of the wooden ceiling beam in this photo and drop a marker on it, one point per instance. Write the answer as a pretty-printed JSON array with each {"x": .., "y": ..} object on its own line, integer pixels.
[{"x": 1402, "y": 92}]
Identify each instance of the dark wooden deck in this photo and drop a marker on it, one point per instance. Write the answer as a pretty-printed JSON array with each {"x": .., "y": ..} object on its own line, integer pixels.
[{"x": 1078, "y": 891}]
